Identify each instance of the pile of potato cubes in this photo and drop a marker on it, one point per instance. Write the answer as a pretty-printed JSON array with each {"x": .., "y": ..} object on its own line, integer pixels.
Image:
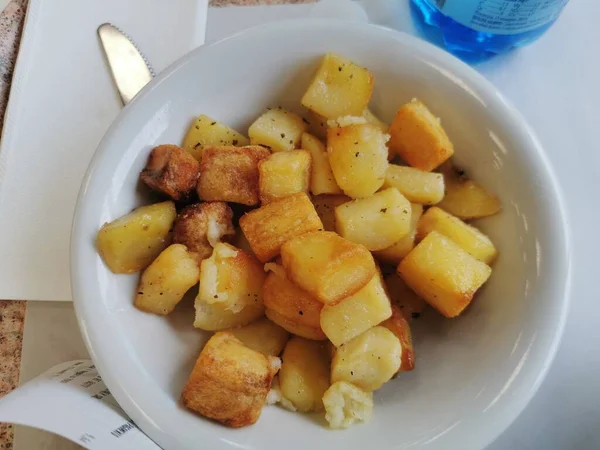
[{"x": 293, "y": 286}]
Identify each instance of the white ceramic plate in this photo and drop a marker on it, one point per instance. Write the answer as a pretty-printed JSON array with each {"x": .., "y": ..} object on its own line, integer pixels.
[{"x": 474, "y": 374}]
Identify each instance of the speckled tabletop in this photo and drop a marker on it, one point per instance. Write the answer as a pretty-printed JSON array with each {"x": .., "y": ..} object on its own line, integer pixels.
[{"x": 12, "y": 313}]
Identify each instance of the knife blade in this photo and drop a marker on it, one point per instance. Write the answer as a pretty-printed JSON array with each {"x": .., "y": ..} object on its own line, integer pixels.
[{"x": 130, "y": 70}]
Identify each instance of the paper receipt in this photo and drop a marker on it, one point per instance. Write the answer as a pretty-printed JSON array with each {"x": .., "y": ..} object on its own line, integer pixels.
[{"x": 72, "y": 401}]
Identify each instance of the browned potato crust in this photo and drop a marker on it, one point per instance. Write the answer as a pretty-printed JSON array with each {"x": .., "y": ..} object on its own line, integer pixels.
[
  {"x": 291, "y": 307},
  {"x": 171, "y": 171},
  {"x": 230, "y": 174},
  {"x": 230, "y": 382},
  {"x": 272, "y": 225},
  {"x": 399, "y": 325},
  {"x": 327, "y": 265},
  {"x": 200, "y": 226}
]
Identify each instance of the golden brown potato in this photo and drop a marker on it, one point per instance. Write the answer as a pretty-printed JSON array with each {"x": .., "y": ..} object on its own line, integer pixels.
[
  {"x": 339, "y": 88},
  {"x": 325, "y": 206},
  {"x": 418, "y": 186},
  {"x": 394, "y": 253},
  {"x": 283, "y": 174},
  {"x": 230, "y": 382},
  {"x": 404, "y": 297},
  {"x": 469, "y": 238},
  {"x": 207, "y": 132},
  {"x": 327, "y": 265},
  {"x": 277, "y": 129},
  {"x": 369, "y": 360},
  {"x": 358, "y": 156},
  {"x": 231, "y": 293},
  {"x": 171, "y": 171},
  {"x": 131, "y": 242},
  {"x": 263, "y": 336},
  {"x": 322, "y": 180},
  {"x": 418, "y": 137},
  {"x": 232, "y": 277},
  {"x": 164, "y": 282},
  {"x": 304, "y": 374},
  {"x": 465, "y": 198},
  {"x": 399, "y": 325},
  {"x": 443, "y": 274},
  {"x": 376, "y": 222},
  {"x": 357, "y": 313},
  {"x": 346, "y": 404},
  {"x": 230, "y": 174},
  {"x": 291, "y": 307},
  {"x": 201, "y": 226},
  {"x": 270, "y": 226}
]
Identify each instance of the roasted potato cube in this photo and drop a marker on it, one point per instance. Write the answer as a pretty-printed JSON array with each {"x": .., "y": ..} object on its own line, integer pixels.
[
  {"x": 263, "y": 336},
  {"x": 270, "y": 226},
  {"x": 399, "y": 325},
  {"x": 216, "y": 316},
  {"x": 207, "y": 132},
  {"x": 394, "y": 253},
  {"x": 358, "y": 156},
  {"x": 357, "y": 313},
  {"x": 327, "y": 265},
  {"x": 339, "y": 88},
  {"x": 369, "y": 360},
  {"x": 469, "y": 238},
  {"x": 277, "y": 129},
  {"x": 372, "y": 118},
  {"x": 466, "y": 199},
  {"x": 418, "y": 186},
  {"x": 317, "y": 125},
  {"x": 346, "y": 404},
  {"x": 404, "y": 297},
  {"x": 164, "y": 282},
  {"x": 292, "y": 307},
  {"x": 325, "y": 206},
  {"x": 322, "y": 180},
  {"x": 418, "y": 137},
  {"x": 304, "y": 374},
  {"x": 201, "y": 226},
  {"x": 230, "y": 292},
  {"x": 283, "y": 174},
  {"x": 232, "y": 277},
  {"x": 443, "y": 274},
  {"x": 230, "y": 382},
  {"x": 131, "y": 242},
  {"x": 230, "y": 174},
  {"x": 171, "y": 171},
  {"x": 375, "y": 222}
]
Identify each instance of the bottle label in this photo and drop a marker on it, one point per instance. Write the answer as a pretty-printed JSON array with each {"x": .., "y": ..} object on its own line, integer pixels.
[{"x": 502, "y": 16}]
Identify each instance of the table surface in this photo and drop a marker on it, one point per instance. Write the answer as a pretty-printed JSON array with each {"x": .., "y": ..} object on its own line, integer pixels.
[{"x": 566, "y": 412}]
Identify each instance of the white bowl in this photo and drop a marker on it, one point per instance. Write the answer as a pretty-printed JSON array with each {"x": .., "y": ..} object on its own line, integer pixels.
[{"x": 474, "y": 374}]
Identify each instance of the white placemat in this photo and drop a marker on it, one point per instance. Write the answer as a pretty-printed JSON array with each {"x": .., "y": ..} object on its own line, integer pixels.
[{"x": 62, "y": 101}]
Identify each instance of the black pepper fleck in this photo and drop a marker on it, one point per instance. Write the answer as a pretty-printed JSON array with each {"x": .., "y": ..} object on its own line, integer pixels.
[
  {"x": 416, "y": 315},
  {"x": 356, "y": 154},
  {"x": 282, "y": 135},
  {"x": 301, "y": 313},
  {"x": 234, "y": 142},
  {"x": 213, "y": 123},
  {"x": 383, "y": 210},
  {"x": 215, "y": 296}
]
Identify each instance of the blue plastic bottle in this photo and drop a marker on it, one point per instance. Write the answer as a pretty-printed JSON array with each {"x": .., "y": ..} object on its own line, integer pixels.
[{"x": 479, "y": 29}]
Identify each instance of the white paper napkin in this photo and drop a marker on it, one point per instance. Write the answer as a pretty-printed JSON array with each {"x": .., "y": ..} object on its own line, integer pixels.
[{"x": 61, "y": 103}]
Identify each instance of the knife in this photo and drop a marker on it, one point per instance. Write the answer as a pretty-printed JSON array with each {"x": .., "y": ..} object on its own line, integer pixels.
[{"x": 130, "y": 70}]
